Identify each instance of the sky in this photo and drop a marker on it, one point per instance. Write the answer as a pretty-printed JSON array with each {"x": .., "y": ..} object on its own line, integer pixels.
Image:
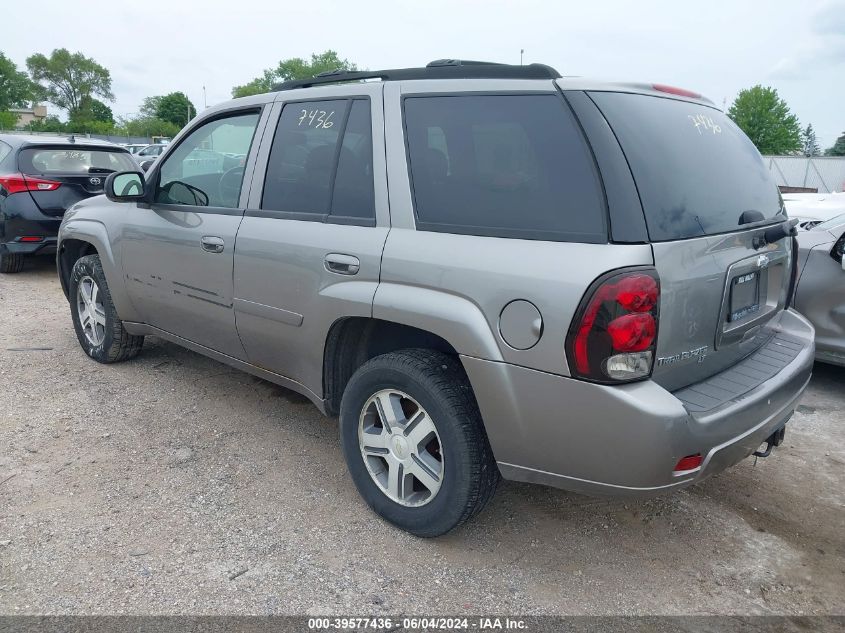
[{"x": 717, "y": 48}]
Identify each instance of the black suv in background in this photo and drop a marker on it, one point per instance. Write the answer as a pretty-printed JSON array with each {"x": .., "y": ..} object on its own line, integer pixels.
[{"x": 40, "y": 177}]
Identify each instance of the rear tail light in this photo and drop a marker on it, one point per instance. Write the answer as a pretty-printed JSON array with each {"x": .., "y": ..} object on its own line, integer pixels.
[
  {"x": 16, "y": 183},
  {"x": 31, "y": 238},
  {"x": 614, "y": 334}
]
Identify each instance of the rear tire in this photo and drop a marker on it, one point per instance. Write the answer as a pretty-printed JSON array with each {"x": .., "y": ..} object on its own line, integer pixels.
[
  {"x": 11, "y": 262},
  {"x": 98, "y": 328},
  {"x": 446, "y": 449}
]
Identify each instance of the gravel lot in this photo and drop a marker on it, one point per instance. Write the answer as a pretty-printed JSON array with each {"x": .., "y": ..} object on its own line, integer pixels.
[{"x": 174, "y": 484}]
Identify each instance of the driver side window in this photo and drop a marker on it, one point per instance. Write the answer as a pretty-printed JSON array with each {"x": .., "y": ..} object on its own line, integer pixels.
[{"x": 207, "y": 168}]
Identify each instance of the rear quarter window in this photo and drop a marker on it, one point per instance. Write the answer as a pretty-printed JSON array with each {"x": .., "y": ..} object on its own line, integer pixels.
[
  {"x": 695, "y": 170},
  {"x": 504, "y": 166}
]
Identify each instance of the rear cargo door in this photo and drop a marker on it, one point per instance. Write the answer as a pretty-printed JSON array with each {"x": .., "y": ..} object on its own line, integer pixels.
[
  {"x": 708, "y": 199},
  {"x": 75, "y": 171}
]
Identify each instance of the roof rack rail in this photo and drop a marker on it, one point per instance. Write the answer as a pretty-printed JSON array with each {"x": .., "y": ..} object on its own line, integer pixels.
[{"x": 438, "y": 69}]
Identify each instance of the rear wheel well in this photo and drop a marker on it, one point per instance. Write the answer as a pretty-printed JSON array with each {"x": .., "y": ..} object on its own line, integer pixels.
[
  {"x": 353, "y": 341},
  {"x": 70, "y": 251}
]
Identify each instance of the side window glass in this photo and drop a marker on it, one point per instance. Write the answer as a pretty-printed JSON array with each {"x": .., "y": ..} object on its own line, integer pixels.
[
  {"x": 4, "y": 150},
  {"x": 207, "y": 169},
  {"x": 353, "y": 186},
  {"x": 503, "y": 166},
  {"x": 302, "y": 159}
]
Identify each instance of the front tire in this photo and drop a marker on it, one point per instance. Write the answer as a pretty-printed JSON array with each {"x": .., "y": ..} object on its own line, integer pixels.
[
  {"x": 414, "y": 442},
  {"x": 11, "y": 263},
  {"x": 98, "y": 328}
]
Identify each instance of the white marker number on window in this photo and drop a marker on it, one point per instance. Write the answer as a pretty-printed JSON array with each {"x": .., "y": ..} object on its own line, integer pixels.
[
  {"x": 316, "y": 119},
  {"x": 704, "y": 123}
]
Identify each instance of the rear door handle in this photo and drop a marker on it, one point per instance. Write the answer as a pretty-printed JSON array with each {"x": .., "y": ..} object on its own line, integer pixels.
[
  {"x": 342, "y": 264},
  {"x": 212, "y": 244}
]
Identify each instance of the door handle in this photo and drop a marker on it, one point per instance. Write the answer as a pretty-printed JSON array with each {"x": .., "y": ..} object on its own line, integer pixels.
[
  {"x": 212, "y": 244},
  {"x": 342, "y": 264}
]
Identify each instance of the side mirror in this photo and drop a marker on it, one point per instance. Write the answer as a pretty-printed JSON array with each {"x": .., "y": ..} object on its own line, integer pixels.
[
  {"x": 125, "y": 186},
  {"x": 145, "y": 165}
]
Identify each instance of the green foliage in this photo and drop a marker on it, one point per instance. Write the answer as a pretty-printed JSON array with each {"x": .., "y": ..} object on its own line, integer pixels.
[
  {"x": 175, "y": 108},
  {"x": 149, "y": 108},
  {"x": 294, "y": 68},
  {"x": 50, "y": 124},
  {"x": 8, "y": 120},
  {"x": 809, "y": 143},
  {"x": 91, "y": 110},
  {"x": 838, "y": 148},
  {"x": 16, "y": 90},
  {"x": 767, "y": 121},
  {"x": 66, "y": 79},
  {"x": 146, "y": 126}
]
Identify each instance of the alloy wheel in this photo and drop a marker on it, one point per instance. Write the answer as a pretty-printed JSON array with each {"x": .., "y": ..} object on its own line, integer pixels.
[
  {"x": 401, "y": 448},
  {"x": 92, "y": 313}
]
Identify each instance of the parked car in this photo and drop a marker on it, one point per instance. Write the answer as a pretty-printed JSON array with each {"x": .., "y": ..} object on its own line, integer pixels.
[
  {"x": 483, "y": 269},
  {"x": 820, "y": 294},
  {"x": 134, "y": 148},
  {"x": 811, "y": 209},
  {"x": 150, "y": 152},
  {"x": 40, "y": 176}
]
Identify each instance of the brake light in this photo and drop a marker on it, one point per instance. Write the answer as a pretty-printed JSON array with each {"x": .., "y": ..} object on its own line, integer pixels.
[
  {"x": 672, "y": 90},
  {"x": 16, "y": 183},
  {"x": 31, "y": 238},
  {"x": 614, "y": 334}
]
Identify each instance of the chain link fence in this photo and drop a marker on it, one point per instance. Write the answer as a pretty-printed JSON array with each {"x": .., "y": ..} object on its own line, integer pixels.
[{"x": 822, "y": 174}]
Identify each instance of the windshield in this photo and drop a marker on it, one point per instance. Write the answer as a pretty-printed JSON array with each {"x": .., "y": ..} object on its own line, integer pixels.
[
  {"x": 67, "y": 160},
  {"x": 830, "y": 224},
  {"x": 696, "y": 171}
]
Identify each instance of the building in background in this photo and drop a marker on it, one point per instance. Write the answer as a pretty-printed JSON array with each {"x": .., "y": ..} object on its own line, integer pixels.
[{"x": 29, "y": 115}]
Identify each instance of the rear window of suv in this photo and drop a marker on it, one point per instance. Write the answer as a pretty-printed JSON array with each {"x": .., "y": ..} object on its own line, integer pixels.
[
  {"x": 74, "y": 160},
  {"x": 502, "y": 165},
  {"x": 696, "y": 171}
]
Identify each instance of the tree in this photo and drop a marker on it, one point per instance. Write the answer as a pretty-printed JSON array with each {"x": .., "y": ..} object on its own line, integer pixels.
[
  {"x": 809, "y": 142},
  {"x": 50, "y": 124},
  {"x": 838, "y": 148},
  {"x": 91, "y": 109},
  {"x": 8, "y": 120},
  {"x": 175, "y": 108},
  {"x": 294, "y": 68},
  {"x": 146, "y": 126},
  {"x": 66, "y": 78},
  {"x": 149, "y": 107},
  {"x": 16, "y": 89},
  {"x": 767, "y": 121}
]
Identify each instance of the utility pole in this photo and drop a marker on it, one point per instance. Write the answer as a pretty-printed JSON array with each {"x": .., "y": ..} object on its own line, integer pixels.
[{"x": 204, "y": 100}]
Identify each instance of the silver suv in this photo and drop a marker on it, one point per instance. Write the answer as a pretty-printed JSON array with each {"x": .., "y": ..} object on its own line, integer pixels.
[{"x": 483, "y": 270}]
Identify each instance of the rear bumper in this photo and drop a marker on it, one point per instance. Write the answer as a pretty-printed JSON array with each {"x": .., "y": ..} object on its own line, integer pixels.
[
  {"x": 45, "y": 247},
  {"x": 20, "y": 217},
  {"x": 626, "y": 440}
]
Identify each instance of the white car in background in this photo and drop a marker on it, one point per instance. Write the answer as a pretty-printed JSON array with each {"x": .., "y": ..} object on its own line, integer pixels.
[{"x": 814, "y": 208}]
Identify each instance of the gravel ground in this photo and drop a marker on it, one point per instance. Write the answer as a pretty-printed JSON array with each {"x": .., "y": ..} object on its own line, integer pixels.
[{"x": 173, "y": 484}]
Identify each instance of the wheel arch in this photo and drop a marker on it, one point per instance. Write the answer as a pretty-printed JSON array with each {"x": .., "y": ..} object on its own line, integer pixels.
[
  {"x": 352, "y": 341},
  {"x": 79, "y": 238}
]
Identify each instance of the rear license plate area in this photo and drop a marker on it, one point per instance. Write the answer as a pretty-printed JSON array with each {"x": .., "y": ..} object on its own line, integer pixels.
[{"x": 745, "y": 296}]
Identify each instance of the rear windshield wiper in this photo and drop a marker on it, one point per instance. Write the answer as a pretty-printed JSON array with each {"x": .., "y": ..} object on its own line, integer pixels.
[{"x": 100, "y": 170}]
